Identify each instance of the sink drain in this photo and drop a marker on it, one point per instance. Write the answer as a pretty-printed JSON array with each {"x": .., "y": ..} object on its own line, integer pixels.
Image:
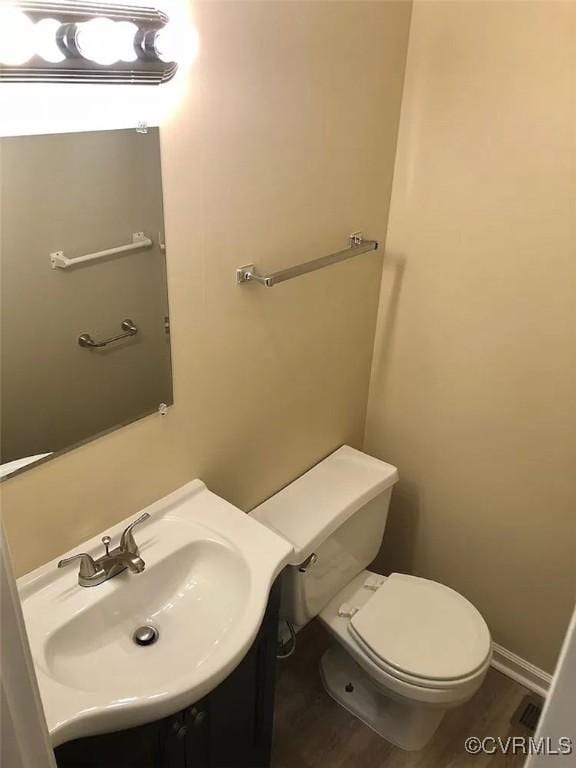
[{"x": 146, "y": 635}]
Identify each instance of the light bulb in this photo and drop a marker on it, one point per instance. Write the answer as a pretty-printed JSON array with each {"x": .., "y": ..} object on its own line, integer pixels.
[
  {"x": 125, "y": 33},
  {"x": 169, "y": 43},
  {"x": 16, "y": 37},
  {"x": 45, "y": 40},
  {"x": 97, "y": 41}
]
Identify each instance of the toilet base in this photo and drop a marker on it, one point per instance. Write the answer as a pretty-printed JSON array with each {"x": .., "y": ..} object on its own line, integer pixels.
[{"x": 406, "y": 724}]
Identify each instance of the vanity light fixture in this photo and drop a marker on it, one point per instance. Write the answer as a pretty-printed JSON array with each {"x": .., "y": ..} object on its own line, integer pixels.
[{"x": 85, "y": 42}]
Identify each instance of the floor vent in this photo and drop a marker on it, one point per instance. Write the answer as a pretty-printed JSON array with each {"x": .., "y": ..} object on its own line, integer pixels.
[{"x": 528, "y": 713}]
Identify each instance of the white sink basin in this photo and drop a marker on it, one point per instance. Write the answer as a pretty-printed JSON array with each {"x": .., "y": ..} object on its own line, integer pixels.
[{"x": 209, "y": 568}]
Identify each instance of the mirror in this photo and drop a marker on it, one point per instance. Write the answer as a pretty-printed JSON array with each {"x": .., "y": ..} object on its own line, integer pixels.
[{"x": 85, "y": 330}]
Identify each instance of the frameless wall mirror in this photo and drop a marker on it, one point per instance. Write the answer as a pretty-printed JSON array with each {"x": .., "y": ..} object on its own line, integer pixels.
[{"x": 85, "y": 330}]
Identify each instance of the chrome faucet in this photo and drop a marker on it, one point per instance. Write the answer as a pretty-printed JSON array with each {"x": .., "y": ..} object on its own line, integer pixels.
[{"x": 125, "y": 555}]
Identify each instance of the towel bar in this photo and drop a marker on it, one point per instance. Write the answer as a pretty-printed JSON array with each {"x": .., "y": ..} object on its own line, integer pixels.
[
  {"x": 358, "y": 245},
  {"x": 139, "y": 241},
  {"x": 85, "y": 340}
]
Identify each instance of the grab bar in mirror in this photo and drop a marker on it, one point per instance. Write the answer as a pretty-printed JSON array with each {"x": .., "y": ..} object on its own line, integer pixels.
[
  {"x": 139, "y": 241},
  {"x": 358, "y": 245},
  {"x": 85, "y": 340}
]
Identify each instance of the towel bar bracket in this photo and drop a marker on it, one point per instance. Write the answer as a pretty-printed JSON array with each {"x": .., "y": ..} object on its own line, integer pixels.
[{"x": 248, "y": 274}]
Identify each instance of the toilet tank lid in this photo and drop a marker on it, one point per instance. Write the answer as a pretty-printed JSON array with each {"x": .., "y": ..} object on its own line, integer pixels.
[{"x": 308, "y": 510}]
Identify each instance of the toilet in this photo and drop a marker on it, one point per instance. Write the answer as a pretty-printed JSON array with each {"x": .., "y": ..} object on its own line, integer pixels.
[{"x": 406, "y": 648}]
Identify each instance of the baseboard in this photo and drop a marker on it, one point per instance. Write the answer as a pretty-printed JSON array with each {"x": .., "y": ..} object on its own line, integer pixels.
[{"x": 520, "y": 670}]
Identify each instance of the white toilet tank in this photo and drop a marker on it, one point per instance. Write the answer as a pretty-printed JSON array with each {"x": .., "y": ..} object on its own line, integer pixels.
[{"x": 334, "y": 516}]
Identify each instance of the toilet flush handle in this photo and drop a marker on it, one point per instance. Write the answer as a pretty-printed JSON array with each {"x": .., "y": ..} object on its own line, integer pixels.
[{"x": 310, "y": 561}]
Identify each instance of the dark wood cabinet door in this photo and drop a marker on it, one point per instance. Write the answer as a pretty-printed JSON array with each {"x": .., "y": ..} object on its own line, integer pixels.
[
  {"x": 149, "y": 746},
  {"x": 198, "y": 736}
]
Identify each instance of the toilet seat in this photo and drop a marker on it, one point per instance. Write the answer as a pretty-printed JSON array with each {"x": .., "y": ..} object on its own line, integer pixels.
[
  {"x": 422, "y": 632},
  {"x": 391, "y": 680}
]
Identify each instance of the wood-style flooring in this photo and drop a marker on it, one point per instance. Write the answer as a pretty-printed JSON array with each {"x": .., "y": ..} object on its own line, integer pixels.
[{"x": 312, "y": 731}]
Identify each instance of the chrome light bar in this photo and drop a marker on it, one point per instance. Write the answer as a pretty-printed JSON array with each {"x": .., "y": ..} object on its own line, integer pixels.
[{"x": 82, "y": 44}]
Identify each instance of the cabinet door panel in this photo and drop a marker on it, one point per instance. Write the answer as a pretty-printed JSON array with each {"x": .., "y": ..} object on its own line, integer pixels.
[{"x": 145, "y": 747}]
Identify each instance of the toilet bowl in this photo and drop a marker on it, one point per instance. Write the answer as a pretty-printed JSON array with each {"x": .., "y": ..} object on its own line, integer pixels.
[
  {"x": 395, "y": 676},
  {"x": 406, "y": 648}
]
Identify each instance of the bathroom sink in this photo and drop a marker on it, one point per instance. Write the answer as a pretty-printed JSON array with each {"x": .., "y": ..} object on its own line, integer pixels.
[
  {"x": 193, "y": 598},
  {"x": 209, "y": 569}
]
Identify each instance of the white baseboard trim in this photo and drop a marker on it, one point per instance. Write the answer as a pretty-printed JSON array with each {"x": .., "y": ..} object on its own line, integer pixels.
[{"x": 520, "y": 670}]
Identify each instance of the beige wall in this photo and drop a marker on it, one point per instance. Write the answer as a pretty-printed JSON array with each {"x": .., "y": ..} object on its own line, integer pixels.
[
  {"x": 473, "y": 395},
  {"x": 79, "y": 193},
  {"x": 284, "y": 143}
]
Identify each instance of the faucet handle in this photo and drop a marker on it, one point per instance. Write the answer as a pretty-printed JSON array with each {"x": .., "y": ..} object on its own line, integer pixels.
[
  {"x": 127, "y": 541},
  {"x": 88, "y": 567}
]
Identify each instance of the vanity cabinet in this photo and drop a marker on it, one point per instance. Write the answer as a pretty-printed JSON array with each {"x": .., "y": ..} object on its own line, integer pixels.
[{"x": 229, "y": 728}]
